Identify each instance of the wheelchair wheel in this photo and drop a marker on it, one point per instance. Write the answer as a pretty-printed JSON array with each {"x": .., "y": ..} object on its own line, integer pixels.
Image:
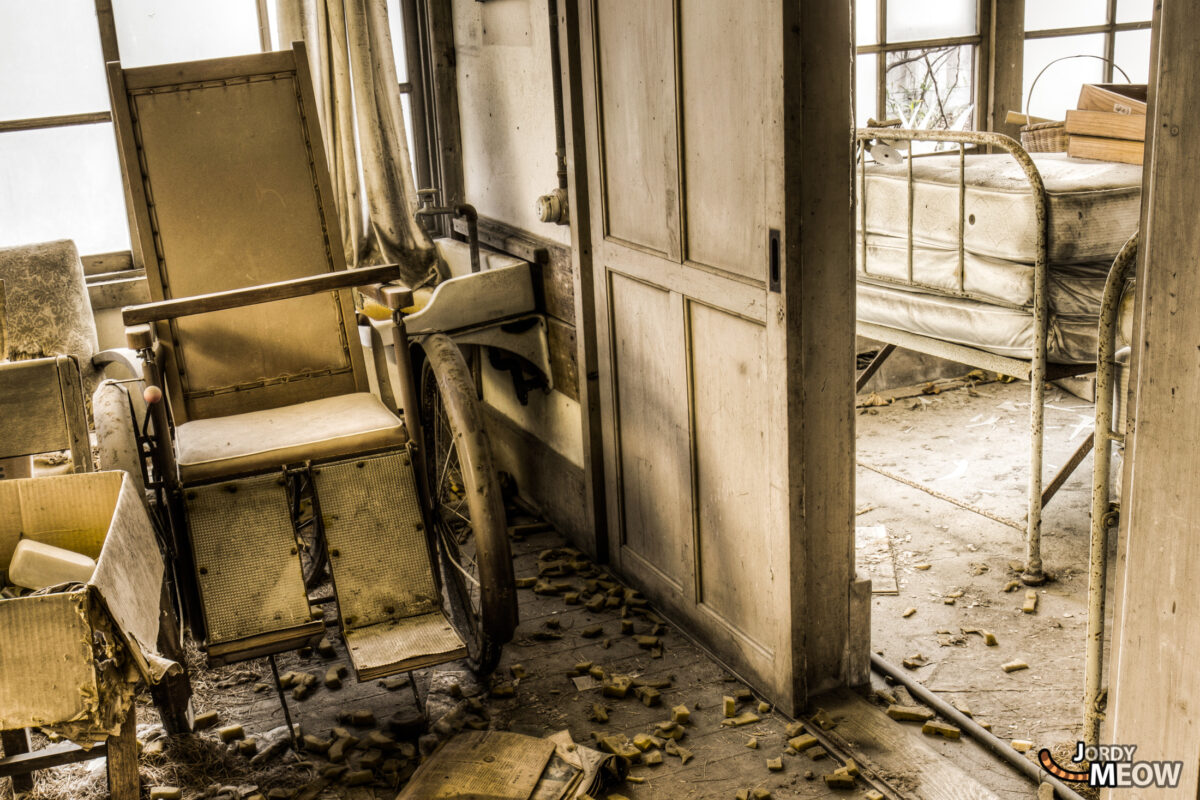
[{"x": 467, "y": 510}]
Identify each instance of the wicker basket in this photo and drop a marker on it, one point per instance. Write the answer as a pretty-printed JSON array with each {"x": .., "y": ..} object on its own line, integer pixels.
[
  {"x": 1044, "y": 137},
  {"x": 1051, "y": 137}
]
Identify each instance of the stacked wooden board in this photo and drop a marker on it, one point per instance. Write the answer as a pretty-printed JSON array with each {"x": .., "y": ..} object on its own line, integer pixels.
[{"x": 1109, "y": 123}]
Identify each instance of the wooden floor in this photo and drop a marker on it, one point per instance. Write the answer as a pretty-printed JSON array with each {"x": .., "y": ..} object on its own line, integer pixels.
[{"x": 548, "y": 645}]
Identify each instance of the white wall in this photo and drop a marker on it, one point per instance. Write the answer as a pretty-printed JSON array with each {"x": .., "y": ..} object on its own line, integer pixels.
[{"x": 506, "y": 110}]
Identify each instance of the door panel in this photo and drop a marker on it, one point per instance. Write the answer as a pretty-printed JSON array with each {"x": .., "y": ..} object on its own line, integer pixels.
[
  {"x": 693, "y": 425},
  {"x": 729, "y": 408},
  {"x": 651, "y": 408},
  {"x": 637, "y": 107},
  {"x": 722, "y": 65}
]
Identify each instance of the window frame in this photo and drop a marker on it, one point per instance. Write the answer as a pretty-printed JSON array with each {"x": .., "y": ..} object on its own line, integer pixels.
[
  {"x": 979, "y": 40},
  {"x": 1110, "y": 28},
  {"x": 107, "y": 30}
]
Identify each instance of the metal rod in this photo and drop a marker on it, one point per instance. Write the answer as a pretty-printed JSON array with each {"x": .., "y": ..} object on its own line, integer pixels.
[
  {"x": 1093, "y": 691},
  {"x": 560, "y": 134},
  {"x": 983, "y": 512},
  {"x": 974, "y": 729},
  {"x": 1066, "y": 470},
  {"x": 287, "y": 715},
  {"x": 873, "y": 367}
]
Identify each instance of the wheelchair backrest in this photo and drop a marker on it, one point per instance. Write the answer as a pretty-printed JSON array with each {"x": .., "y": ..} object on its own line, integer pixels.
[{"x": 227, "y": 187}]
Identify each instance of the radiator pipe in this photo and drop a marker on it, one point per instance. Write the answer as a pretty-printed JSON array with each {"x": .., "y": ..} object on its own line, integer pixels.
[{"x": 973, "y": 729}]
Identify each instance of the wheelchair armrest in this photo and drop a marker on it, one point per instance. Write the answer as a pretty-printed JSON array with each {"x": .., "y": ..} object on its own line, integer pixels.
[
  {"x": 392, "y": 296},
  {"x": 253, "y": 295}
]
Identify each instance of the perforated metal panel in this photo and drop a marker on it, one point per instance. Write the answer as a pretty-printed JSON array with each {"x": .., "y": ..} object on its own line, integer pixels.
[
  {"x": 382, "y": 568},
  {"x": 247, "y": 562},
  {"x": 406, "y": 644}
]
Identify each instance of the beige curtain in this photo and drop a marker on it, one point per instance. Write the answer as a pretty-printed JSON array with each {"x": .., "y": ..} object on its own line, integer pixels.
[{"x": 358, "y": 98}]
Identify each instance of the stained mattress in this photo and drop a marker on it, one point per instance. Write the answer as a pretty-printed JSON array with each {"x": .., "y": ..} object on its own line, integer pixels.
[
  {"x": 1004, "y": 330},
  {"x": 1093, "y": 206},
  {"x": 1073, "y": 288}
]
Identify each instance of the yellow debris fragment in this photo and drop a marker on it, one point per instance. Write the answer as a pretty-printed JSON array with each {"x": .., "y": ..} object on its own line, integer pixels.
[
  {"x": 1014, "y": 666},
  {"x": 908, "y": 612}
]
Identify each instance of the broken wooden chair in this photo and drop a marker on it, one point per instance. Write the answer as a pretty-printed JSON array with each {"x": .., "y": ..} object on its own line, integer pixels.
[
  {"x": 273, "y": 456},
  {"x": 49, "y": 313}
]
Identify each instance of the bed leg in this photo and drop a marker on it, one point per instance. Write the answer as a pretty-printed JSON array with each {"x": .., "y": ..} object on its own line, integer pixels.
[{"x": 1033, "y": 574}]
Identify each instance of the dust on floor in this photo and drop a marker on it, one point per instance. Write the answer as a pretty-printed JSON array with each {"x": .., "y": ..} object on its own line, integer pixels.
[{"x": 955, "y": 569}]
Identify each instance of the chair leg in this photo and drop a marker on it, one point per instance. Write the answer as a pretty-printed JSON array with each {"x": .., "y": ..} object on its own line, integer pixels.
[
  {"x": 123, "y": 780},
  {"x": 13, "y": 743}
]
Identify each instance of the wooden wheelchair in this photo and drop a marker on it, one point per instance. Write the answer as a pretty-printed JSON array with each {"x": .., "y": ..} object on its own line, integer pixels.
[{"x": 269, "y": 458}]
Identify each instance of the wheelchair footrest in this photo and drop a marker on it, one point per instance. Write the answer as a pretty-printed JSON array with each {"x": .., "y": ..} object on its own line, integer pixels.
[
  {"x": 247, "y": 566},
  {"x": 379, "y": 552},
  {"x": 390, "y": 647}
]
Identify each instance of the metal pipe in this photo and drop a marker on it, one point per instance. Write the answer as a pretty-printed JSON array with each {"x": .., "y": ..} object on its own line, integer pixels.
[
  {"x": 1093, "y": 691},
  {"x": 973, "y": 729},
  {"x": 468, "y": 212},
  {"x": 560, "y": 134}
]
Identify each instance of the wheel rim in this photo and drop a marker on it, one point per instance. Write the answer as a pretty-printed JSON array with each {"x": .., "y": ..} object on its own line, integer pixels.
[{"x": 451, "y": 512}]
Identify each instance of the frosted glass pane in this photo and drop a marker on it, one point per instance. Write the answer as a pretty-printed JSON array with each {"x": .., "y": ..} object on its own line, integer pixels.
[
  {"x": 912, "y": 20},
  {"x": 1058, "y": 90},
  {"x": 1042, "y": 15},
  {"x": 864, "y": 89},
  {"x": 1134, "y": 10},
  {"x": 62, "y": 183},
  {"x": 50, "y": 61},
  {"x": 1131, "y": 51},
  {"x": 157, "y": 32},
  {"x": 932, "y": 89},
  {"x": 866, "y": 16}
]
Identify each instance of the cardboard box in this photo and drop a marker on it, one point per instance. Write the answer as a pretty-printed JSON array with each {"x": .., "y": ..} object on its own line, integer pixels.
[{"x": 70, "y": 660}]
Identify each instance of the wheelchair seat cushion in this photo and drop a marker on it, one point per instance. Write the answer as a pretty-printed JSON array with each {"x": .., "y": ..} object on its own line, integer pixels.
[{"x": 262, "y": 440}]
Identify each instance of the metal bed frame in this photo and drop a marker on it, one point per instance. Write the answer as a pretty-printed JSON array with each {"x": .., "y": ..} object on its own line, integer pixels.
[{"x": 1036, "y": 370}]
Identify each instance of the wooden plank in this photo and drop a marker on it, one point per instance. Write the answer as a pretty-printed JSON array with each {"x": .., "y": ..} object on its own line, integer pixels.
[
  {"x": 1006, "y": 64},
  {"x": 583, "y": 288},
  {"x": 213, "y": 69},
  {"x": 102, "y": 263},
  {"x": 810, "y": 334},
  {"x": 1120, "y": 150},
  {"x": 108, "y": 31},
  {"x": 253, "y": 295},
  {"x": 31, "y": 408},
  {"x": 564, "y": 368},
  {"x": 123, "y": 780},
  {"x": 897, "y": 750},
  {"x": 444, "y": 80},
  {"x": 16, "y": 746},
  {"x": 1156, "y": 598},
  {"x": 60, "y": 121},
  {"x": 19, "y": 763},
  {"x": 1107, "y": 123}
]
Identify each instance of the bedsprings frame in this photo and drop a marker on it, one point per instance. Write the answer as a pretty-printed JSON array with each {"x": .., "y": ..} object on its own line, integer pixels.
[{"x": 1036, "y": 371}]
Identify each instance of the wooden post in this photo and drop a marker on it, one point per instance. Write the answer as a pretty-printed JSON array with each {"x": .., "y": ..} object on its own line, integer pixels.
[
  {"x": 595, "y": 512},
  {"x": 1005, "y": 64},
  {"x": 1154, "y": 692},
  {"x": 123, "y": 781},
  {"x": 14, "y": 743}
]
